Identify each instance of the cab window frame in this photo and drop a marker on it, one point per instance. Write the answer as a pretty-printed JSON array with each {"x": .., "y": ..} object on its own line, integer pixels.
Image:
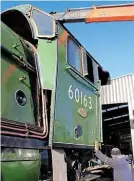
[
  {"x": 84, "y": 55},
  {"x": 69, "y": 37},
  {"x": 39, "y": 35},
  {"x": 86, "y": 72}
]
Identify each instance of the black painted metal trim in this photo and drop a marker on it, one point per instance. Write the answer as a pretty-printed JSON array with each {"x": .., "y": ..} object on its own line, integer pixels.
[
  {"x": 17, "y": 142},
  {"x": 63, "y": 145}
]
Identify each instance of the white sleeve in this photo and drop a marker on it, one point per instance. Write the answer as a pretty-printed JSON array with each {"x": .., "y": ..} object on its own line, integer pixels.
[
  {"x": 111, "y": 162},
  {"x": 101, "y": 156}
]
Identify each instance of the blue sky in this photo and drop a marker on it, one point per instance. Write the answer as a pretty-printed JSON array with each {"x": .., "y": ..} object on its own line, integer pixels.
[{"x": 111, "y": 44}]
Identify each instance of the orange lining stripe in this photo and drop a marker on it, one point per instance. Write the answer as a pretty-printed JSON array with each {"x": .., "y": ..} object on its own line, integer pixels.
[
  {"x": 62, "y": 37},
  {"x": 8, "y": 73}
]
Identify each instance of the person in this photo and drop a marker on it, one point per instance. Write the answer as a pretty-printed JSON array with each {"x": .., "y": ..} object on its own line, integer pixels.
[
  {"x": 129, "y": 159},
  {"x": 121, "y": 167}
]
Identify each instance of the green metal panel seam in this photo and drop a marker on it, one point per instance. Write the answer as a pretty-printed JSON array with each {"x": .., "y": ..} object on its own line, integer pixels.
[{"x": 53, "y": 97}]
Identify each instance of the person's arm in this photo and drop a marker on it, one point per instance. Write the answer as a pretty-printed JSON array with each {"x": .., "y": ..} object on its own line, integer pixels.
[
  {"x": 109, "y": 161},
  {"x": 101, "y": 156}
]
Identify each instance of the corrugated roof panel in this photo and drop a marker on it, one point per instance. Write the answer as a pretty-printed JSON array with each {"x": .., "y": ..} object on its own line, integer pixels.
[{"x": 120, "y": 90}]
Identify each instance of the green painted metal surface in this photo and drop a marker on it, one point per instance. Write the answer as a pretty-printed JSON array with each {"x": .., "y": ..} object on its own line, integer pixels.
[
  {"x": 99, "y": 134},
  {"x": 73, "y": 93},
  {"x": 74, "y": 96},
  {"x": 47, "y": 51},
  {"x": 10, "y": 40},
  {"x": 22, "y": 165},
  {"x": 75, "y": 109},
  {"x": 10, "y": 74},
  {"x": 25, "y": 8}
]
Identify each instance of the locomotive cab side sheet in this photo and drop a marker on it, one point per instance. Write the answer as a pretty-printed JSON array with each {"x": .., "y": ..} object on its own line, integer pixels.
[{"x": 77, "y": 98}]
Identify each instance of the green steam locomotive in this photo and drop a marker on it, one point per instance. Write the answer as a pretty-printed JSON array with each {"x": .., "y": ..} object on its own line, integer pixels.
[{"x": 50, "y": 87}]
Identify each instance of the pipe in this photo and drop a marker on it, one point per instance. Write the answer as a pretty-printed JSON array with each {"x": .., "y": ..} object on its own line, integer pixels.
[
  {"x": 45, "y": 121},
  {"x": 12, "y": 128},
  {"x": 37, "y": 135},
  {"x": 11, "y": 133},
  {"x": 18, "y": 134},
  {"x": 22, "y": 130}
]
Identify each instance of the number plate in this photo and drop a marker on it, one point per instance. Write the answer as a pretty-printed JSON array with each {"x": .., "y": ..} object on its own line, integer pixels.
[{"x": 79, "y": 97}]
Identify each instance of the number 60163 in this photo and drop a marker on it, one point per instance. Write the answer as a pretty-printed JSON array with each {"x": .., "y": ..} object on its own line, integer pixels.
[{"x": 80, "y": 97}]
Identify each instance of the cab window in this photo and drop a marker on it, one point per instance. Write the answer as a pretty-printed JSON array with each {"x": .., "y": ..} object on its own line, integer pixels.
[
  {"x": 88, "y": 67},
  {"x": 73, "y": 54},
  {"x": 45, "y": 23}
]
